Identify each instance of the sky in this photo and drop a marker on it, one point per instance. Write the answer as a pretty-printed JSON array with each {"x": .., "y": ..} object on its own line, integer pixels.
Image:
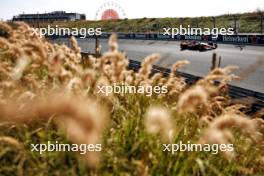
[{"x": 132, "y": 8}]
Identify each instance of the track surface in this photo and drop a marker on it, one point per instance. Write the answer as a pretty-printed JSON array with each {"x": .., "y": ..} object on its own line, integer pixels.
[{"x": 200, "y": 62}]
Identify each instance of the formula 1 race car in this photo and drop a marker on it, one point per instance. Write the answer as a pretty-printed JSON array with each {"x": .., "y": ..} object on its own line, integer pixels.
[{"x": 198, "y": 46}]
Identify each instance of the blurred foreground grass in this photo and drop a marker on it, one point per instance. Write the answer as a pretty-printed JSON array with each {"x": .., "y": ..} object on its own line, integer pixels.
[{"x": 127, "y": 149}]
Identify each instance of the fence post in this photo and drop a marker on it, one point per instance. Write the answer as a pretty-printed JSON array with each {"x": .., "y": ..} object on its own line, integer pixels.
[
  {"x": 214, "y": 22},
  {"x": 219, "y": 61},
  {"x": 236, "y": 18},
  {"x": 97, "y": 47},
  {"x": 213, "y": 61},
  {"x": 261, "y": 23},
  {"x": 261, "y": 14}
]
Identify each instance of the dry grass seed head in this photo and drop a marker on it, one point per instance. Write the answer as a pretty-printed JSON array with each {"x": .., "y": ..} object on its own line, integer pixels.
[
  {"x": 191, "y": 99},
  {"x": 220, "y": 130},
  {"x": 158, "y": 120}
]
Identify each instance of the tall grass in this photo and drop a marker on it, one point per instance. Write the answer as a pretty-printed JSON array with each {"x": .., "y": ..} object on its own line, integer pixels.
[{"x": 48, "y": 95}]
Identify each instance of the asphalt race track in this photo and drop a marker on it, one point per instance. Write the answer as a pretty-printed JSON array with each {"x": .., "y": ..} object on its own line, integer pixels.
[{"x": 200, "y": 62}]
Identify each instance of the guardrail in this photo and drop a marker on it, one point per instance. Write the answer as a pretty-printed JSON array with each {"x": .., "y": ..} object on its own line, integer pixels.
[{"x": 234, "y": 92}]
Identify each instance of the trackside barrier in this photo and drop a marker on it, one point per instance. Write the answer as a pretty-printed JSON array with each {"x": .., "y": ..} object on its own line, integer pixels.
[{"x": 234, "y": 91}]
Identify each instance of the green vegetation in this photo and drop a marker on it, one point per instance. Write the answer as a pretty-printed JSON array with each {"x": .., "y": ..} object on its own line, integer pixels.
[
  {"x": 127, "y": 149},
  {"x": 247, "y": 23}
]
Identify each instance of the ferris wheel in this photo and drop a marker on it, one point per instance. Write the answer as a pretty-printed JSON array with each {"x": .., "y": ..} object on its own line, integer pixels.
[{"x": 110, "y": 11}]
